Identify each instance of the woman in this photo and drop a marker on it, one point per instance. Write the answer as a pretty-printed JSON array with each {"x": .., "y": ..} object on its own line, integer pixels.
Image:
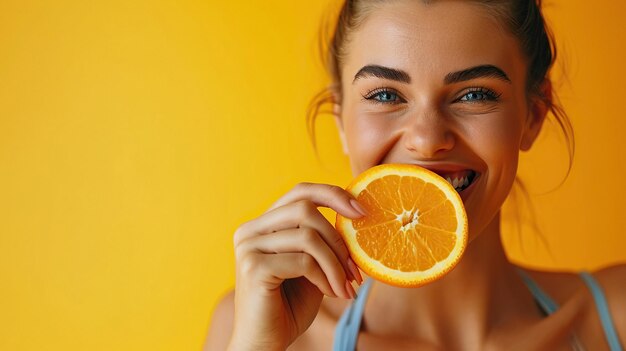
[{"x": 452, "y": 86}]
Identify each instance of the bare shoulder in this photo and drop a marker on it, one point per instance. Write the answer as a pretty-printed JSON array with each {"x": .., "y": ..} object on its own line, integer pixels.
[
  {"x": 562, "y": 286},
  {"x": 612, "y": 280},
  {"x": 221, "y": 326},
  {"x": 566, "y": 286}
]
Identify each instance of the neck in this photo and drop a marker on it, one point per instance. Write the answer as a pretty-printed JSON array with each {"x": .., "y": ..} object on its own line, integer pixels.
[{"x": 482, "y": 291}]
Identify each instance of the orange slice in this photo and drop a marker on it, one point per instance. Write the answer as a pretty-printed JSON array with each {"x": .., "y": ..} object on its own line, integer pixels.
[{"x": 416, "y": 228}]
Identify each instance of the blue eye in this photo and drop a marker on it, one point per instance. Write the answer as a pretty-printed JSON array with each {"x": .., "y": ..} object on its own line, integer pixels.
[
  {"x": 480, "y": 94},
  {"x": 383, "y": 96}
]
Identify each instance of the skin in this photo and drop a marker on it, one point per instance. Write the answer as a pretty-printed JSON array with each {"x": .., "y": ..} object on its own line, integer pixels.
[{"x": 290, "y": 257}]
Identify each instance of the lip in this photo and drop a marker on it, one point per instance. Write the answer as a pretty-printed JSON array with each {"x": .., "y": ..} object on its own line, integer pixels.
[{"x": 445, "y": 167}]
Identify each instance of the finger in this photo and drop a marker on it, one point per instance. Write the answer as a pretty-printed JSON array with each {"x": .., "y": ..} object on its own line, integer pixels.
[
  {"x": 303, "y": 213},
  {"x": 272, "y": 270},
  {"x": 301, "y": 240},
  {"x": 325, "y": 195}
]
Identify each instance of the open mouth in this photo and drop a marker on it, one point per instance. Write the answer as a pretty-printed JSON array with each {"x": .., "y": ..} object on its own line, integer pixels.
[{"x": 460, "y": 180}]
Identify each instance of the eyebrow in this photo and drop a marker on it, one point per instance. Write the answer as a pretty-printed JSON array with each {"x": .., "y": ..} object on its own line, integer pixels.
[
  {"x": 382, "y": 72},
  {"x": 481, "y": 71}
]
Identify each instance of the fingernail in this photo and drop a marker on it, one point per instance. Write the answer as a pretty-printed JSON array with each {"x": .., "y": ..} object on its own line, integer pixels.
[
  {"x": 350, "y": 290},
  {"x": 357, "y": 206},
  {"x": 350, "y": 276},
  {"x": 354, "y": 271}
]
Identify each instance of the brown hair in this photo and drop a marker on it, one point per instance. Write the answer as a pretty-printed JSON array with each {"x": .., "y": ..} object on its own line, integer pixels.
[{"x": 522, "y": 18}]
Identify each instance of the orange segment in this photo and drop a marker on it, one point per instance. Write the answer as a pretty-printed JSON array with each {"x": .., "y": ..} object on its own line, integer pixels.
[
  {"x": 440, "y": 243},
  {"x": 416, "y": 227},
  {"x": 376, "y": 215},
  {"x": 441, "y": 217},
  {"x": 374, "y": 239},
  {"x": 410, "y": 191}
]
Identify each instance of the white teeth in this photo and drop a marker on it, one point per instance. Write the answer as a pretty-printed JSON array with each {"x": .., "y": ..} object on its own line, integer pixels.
[{"x": 459, "y": 183}]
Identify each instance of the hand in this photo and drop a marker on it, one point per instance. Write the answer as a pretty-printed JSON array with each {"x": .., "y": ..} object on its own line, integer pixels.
[{"x": 286, "y": 260}]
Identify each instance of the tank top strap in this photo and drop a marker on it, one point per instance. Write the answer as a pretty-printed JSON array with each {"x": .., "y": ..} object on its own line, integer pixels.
[
  {"x": 347, "y": 329},
  {"x": 543, "y": 299},
  {"x": 603, "y": 311}
]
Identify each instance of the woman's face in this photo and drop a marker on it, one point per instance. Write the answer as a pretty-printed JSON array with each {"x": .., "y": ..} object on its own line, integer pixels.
[{"x": 441, "y": 86}]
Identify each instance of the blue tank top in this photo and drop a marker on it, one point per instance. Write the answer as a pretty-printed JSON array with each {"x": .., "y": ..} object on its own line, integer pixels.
[{"x": 347, "y": 330}]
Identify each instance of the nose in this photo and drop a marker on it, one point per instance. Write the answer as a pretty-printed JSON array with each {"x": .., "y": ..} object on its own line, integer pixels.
[{"x": 428, "y": 135}]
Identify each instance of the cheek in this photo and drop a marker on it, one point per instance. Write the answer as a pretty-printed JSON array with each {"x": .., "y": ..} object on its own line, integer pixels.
[
  {"x": 498, "y": 138},
  {"x": 498, "y": 149},
  {"x": 369, "y": 139},
  {"x": 496, "y": 141},
  {"x": 502, "y": 159}
]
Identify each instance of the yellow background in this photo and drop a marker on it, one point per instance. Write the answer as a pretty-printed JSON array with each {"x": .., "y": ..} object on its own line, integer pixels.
[{"x": 136, "y": 135}]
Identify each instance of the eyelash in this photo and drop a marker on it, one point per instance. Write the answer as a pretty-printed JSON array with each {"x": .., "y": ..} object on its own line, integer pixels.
[
  {"x": 373, "y": 93},
  {"x": 490, "y": 95}
]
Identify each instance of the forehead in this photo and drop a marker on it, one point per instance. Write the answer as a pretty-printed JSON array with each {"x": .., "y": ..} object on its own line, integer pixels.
[{"x": 431, "y": 40}]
